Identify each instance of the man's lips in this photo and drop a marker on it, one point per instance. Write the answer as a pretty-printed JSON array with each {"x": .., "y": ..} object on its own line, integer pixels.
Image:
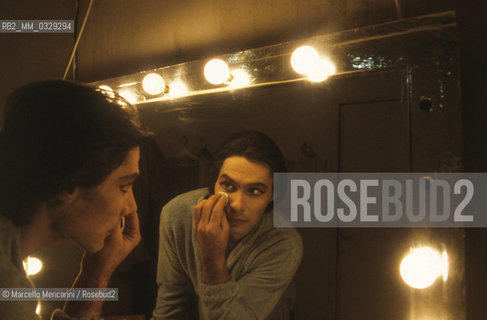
[{"x": 232, "y": 219}]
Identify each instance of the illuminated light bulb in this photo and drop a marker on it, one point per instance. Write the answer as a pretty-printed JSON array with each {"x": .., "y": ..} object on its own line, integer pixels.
[
  {"x": 128, "y": 95},
  {"x": 107, "y": 90},
  {"x": 153, "y": 84},
  {"x": 304, "y": 59},
  {"x": 38, "y": 308},
  {"x": 420, "y": 268},
  {"x": 322, "y": 71},
  {"x": 216, "y": 71},
  {"x": 240, "y": 79},
  {"x": 177, "y": 89},
  {"x": 32, "y": 265}
]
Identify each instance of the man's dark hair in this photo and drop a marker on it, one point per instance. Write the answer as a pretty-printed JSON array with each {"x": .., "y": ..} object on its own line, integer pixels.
[
  {"x": 58, "y": 135},
  {"x": 252, "y": 145}
]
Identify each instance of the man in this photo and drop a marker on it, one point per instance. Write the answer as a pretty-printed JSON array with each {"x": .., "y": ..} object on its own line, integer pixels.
[
  {"x": 68, "y": 158},
  {"x": 219, "y": 255}
]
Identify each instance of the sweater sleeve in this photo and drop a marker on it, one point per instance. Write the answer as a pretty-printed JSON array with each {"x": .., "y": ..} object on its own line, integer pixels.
[
  {"x": 175, "y": 287},
  {"x": 256, "y": 294}
]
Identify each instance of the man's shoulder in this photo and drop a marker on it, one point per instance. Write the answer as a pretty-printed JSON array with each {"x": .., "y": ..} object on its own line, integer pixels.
[
  {"x": 12, "y": 274},
  {"x": 281, "y": 232},
  {"x": 12, "y": 277},
  {"x": 181, "y": 207},
  {"x": 279, "y": 239}
]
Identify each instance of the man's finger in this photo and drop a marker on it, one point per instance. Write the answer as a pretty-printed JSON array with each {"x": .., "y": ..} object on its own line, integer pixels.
[
  {"x": 207, "y": 209},
  {"x": 131, "y": 229},
  {"x": 197, "y": 213},
  {"x": 218, "y": 211}
]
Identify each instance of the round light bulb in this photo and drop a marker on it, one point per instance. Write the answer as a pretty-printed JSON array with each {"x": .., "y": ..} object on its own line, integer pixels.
[
  {"x": 177, "y": 89},
  {"x": 32, "y": 265},
  {"x": 240, "y": 79},
  {"x": 420, "y": 268},
  {"x": 216, "y": 71},
  {"x": 322, "y": 71},
  {"x": 304, "y": 59},
  {"x": 153, "y": 84}
]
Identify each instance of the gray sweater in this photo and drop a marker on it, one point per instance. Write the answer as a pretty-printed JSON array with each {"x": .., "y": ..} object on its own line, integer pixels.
[
  {"x": 261, "y": 268},
  {"x": 12, "y": 275}
]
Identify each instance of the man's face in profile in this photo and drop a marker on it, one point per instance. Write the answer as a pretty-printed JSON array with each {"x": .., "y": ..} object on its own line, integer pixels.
[
  {"x": 91, "y": 215},
  {"x": 249, "y": 187}
]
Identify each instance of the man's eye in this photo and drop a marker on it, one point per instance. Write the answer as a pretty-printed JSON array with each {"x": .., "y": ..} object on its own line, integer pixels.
[
  {"x": 255, "y": 192},
  {"x": 227, "y": 186},
  {"x": 125, "y": 188}
]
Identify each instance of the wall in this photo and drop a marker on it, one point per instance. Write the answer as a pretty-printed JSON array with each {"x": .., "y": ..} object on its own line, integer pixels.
[
  {"x": 31, "y": 57},
  {"x": 124, "y": 36},
  {"x": 473, "y": 50}
]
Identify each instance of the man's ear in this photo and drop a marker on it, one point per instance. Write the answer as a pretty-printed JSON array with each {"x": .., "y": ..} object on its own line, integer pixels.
[{"x": 65, "y": 197}]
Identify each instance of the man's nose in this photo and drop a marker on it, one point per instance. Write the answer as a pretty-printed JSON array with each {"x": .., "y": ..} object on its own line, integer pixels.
[
  {"x": 130, "y": 204},
  {"x": 236, "y": 201}
]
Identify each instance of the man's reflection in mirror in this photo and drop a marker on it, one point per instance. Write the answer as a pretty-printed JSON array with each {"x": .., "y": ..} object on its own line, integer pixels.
[{"x": 219, "y": 255}]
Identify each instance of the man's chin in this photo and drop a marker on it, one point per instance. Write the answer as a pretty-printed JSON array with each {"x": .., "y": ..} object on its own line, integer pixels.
[
  {"x": 93, "y": 247},
  {"x": 235, "y": 237}
]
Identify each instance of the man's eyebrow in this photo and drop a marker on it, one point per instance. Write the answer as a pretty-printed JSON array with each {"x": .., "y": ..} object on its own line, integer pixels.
[
  {"x": 130, "y": 177},
  {"x": 259, "y": 184},
  {"x": 253, "y": 184},
  {"x": 224, "y": 175}
]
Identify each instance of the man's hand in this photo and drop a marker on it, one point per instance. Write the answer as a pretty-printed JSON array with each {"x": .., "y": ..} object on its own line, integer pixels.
[
  {"x": 97, "y": 268},
  {"x": 117, "y": 246},
  {"x": 212, "y": 232}
]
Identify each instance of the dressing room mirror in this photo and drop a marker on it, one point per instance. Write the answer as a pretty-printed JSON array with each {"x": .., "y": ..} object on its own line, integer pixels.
[
  {"x": 391, "y": 105},
  {"x": 386, "y": 99}
]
